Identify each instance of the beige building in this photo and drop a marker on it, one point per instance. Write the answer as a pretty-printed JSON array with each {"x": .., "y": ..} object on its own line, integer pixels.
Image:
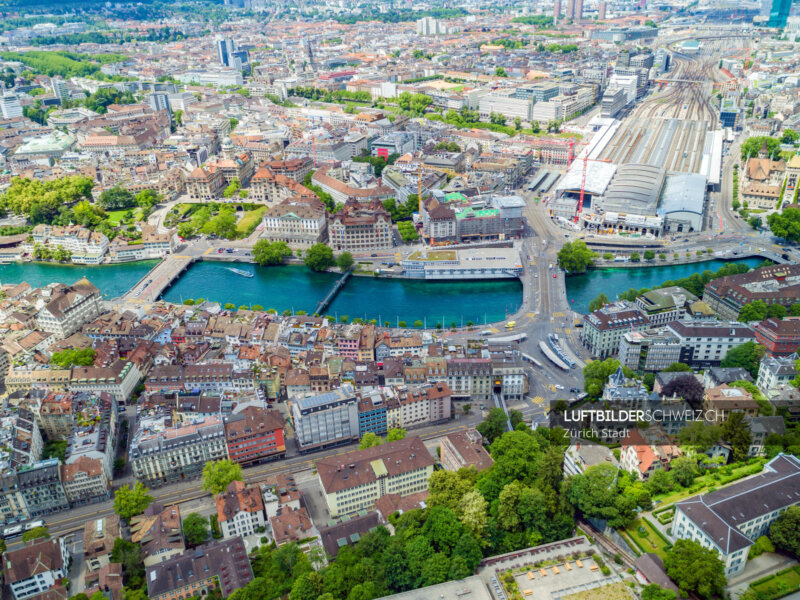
[
  {"x": 205, "y": 184},
  {"x": 299, "y": 222},
  {"x": 354, "y": 481},
  {"x": 464, "y": 449},
  {"x": 720, "y": 402},
  {"x": 361, "y": 226},
  {"x": 85, "y": 480}
]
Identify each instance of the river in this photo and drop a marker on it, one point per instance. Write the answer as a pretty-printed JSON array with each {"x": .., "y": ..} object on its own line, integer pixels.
[
  {"x": 111, "y": 280},
  {"x": 393, "y": 300},
  {"x": 582, "y": 289}
]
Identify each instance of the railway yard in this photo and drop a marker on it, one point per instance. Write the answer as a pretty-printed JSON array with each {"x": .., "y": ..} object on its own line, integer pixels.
[{"x": 669, "y": 127}]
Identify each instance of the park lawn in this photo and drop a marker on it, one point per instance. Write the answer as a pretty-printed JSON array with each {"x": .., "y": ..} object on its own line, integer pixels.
[
  {"x": 114, "y": 216},
  {"x": 250, "y": 221},
  {"x": 612, "y": 591},
  {"x": 707, "y": 481},
  {"x": 649, "y": 541},
  {"x": 785, "y": 582}
]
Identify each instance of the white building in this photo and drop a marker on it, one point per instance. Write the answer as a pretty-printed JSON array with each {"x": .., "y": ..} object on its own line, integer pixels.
[
  {"x": 730, "y": 519},
  {"x": 35, "y": 567},
  {"x": 505, "y": 104},
  {"x": 240, "y": 510},
  {"x": 775, "y": 374},
  {"x": 69, "y": 308},
  {"x": 354, "y": 481},
  {"x": 9, "y": 106}
]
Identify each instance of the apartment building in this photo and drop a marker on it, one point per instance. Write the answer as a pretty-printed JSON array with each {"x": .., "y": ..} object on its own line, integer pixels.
[
  {"x": 778, "y": 284},
  {"x": 470, "y": 379},
  {"x": 649, "y": 351},
  {"x": 361, "y": 226},
  {"x": 41, "y": 488},
  {"x": 645, "y": 451},
  {"x": 69, "y": 307},
  {"x": 219, "y": 565},
  {"x": 254, "y": 435},
  {"x": 162, "y": 452},
  {"x": 604, "y": 328},
  {"x": 270, "y": 187},
  {"x": 240, "y": 510},
  {"x": 94, "y": 431},
  {"x": 665, "y": 305},
  {"x": 36, "y": 567},
  {"x": 353, "y": 481},
  {"x": 87, "y": 246},
  {"x": 719, "y": 402},
  {"x": 326, "y": 420},
  {"x": 705, "y": 343},
  {"x": 119, "y": 380},
  {"x": 85, "y": 480},
  {"x": 730, "y": 519},
  {"x": 419, "y": 407},
  {"x": 205, "y": 184},
  {"x": 780, "y": 337},
  {"x": 158, "y": 531},
  {"x": 293, "y": 168},
  {"x": 464, "y": 449},
  {"x": 775, "y": 374}
]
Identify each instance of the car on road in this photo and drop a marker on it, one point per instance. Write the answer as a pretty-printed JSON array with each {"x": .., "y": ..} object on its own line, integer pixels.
[{"x": 558, "y": 386}]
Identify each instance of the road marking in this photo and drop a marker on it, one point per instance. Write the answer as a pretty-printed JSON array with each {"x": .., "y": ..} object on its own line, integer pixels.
[{"x": 538, "y": 400}]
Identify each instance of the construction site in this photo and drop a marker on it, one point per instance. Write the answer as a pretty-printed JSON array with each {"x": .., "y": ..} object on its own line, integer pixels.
[{"x": 648, "y": 173}]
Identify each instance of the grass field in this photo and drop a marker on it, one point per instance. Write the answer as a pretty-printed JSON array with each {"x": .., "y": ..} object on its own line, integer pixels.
[
  {"x": 114, "y": 216},
  {"x": 785, "y": 582},
  {"x": 613, "y": 591},
  {"x": 705, "y": 482},
  {"x": 646, "y": 538},
  {"x": 250, "y": 221}
]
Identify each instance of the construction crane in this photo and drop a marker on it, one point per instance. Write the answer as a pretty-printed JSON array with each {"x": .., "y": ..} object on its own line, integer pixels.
[{"x": 586, "y": 160}]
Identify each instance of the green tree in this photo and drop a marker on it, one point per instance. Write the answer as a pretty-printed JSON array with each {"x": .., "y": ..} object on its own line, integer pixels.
[
  {"x": 696, "y": 569},
  {"x": 595, "y": 494},
  {"x": 786, "y": 224},
  {"x": 218, "y": 474},
  {"x": 396, "y": 434},
  {"x": 698, "y": 436},
  {"x": 649, "y": 255},
  {"x": 683, "y": 469},
  {"x": 747, "y": 356},
  {"x": 344, "y": 261},
  {"x": 785, "y": 531},
  {"x": 753, "y": 311},
  {"x": 74, "y": 357},
  {"x": 752, "y": 146},
  {"x": 35, "y": 534},
  {"x": 369, "y": 440},
  {"x": 596, "y": 374},
  {"x": 736, "y": 432},
  {"x": 654, "y": 591},
  {"x": 794, "y": 310},
  {"x": 494, "y": 425},
  {"x": 148, "y": 198},
  {"x": 117, "y": 197},
  {"x": 319, "y": 257},
  {"x": 195, "y": 529},
  {"x": 500, "y": 72},
  {"x": 635, "y": 257},
  {"x": 131, "y": 501},
  {"x": 129, "y": 555},
  {"x": 575, "y": 257},
  {"x": 270, "y": 253},
  {"x": 777, "y": 311},
  {"x": 598, "y": 302}
]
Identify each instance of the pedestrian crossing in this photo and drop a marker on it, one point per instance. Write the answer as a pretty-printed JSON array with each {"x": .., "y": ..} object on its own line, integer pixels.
[
  {"x": 559, "y": 315},
  {"x": 538, "y": 400}
]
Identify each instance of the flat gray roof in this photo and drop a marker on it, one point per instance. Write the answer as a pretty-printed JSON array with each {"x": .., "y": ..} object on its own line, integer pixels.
[
  {"x": 469, "y": 588},
  {"x": 683, "y": 192}
]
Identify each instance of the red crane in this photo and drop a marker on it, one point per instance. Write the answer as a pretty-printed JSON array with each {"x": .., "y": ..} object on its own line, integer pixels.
[{"x": 586, "y": 160}]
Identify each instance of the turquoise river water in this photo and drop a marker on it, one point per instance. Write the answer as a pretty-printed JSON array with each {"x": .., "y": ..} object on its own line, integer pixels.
[{"x": 297, "y": 288}]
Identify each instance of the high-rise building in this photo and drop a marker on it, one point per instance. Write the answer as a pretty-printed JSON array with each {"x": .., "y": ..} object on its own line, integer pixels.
[
  {"x": 578, "y": 10},
  {"x": 556, "y": 11},
  {"x": 159, "y": 101},
  {"x": 602, "y": 10},
  {"x": 10, "y": 107},
  {"x": 60, "y": 88},
  {"x": 570, "y": 9},
  {"x": 779, "y": 13},
  {"x": 225, "y": 51}
]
